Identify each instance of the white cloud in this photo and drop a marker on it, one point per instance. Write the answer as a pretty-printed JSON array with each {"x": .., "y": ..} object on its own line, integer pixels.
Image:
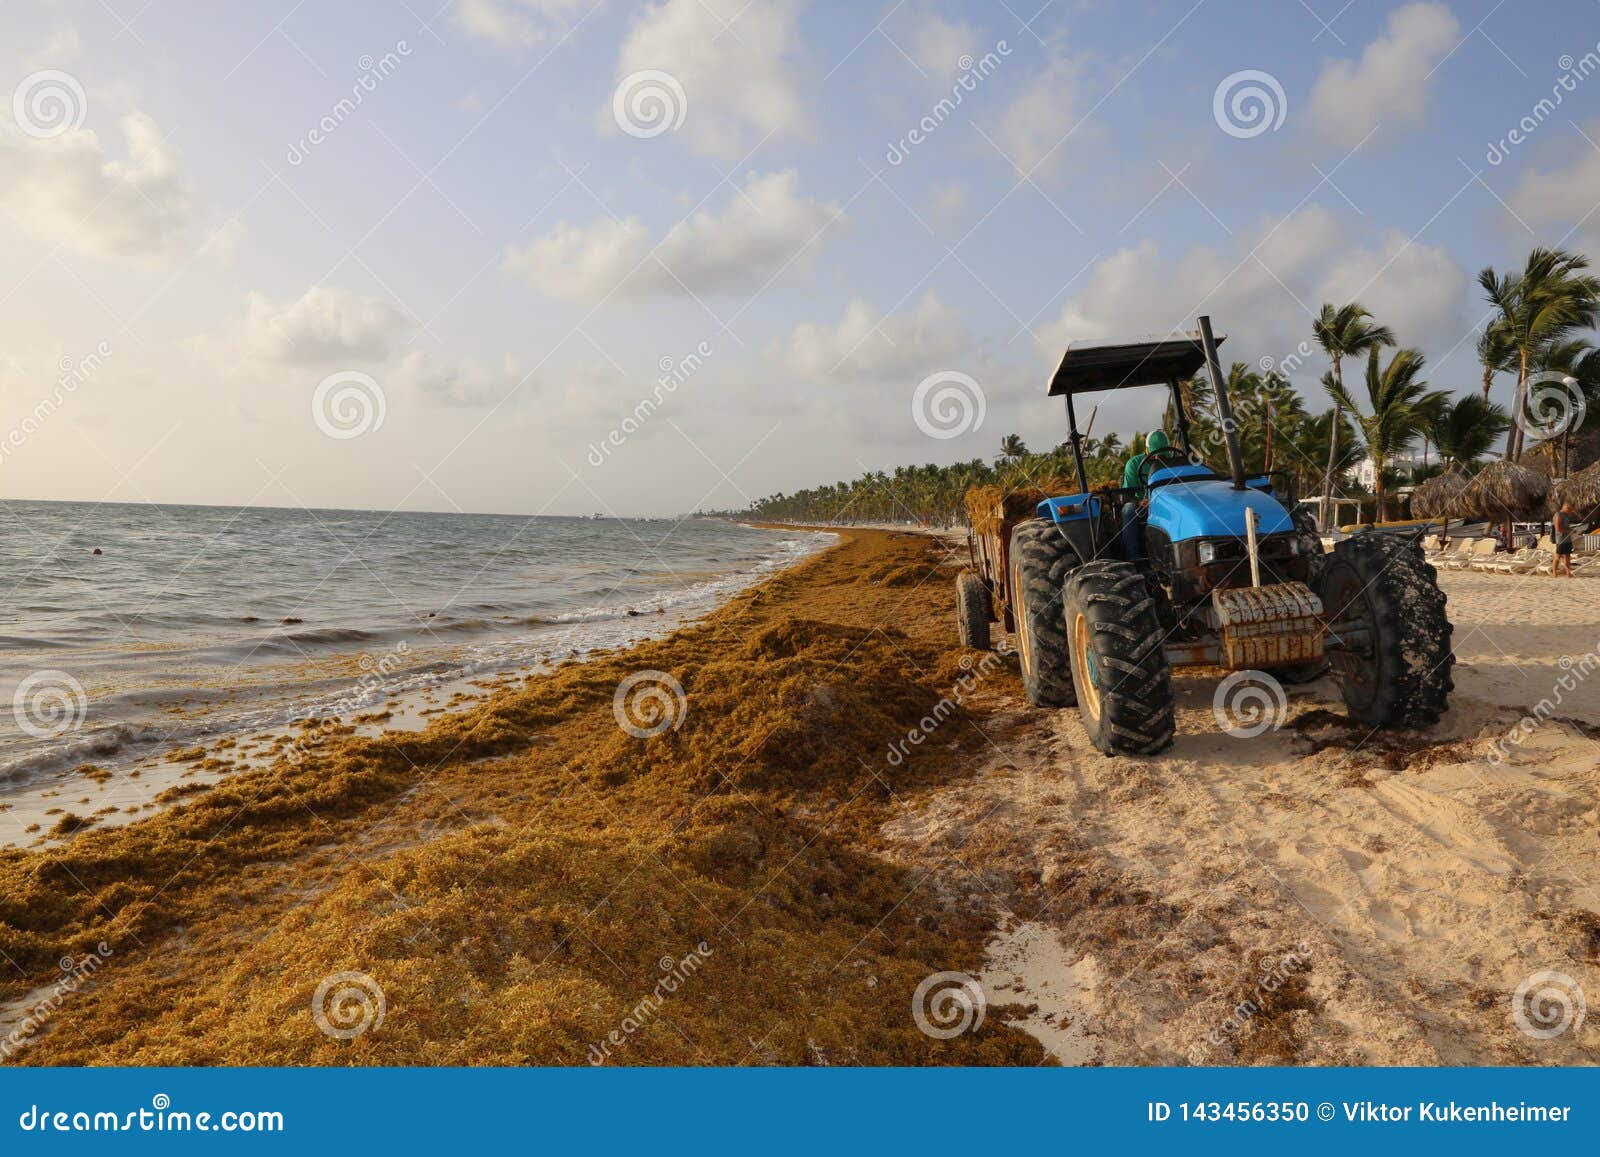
[
  {"x": 949, "y": 203},
  {"x": 328, "y": 328},
  {"x": 736, "y": 62},
  {"x": 61, "y": 45},
  {"x": 1266, "y": 285},
  {"x": 1564, "y": 193},
  {"x": 1388, "y": 86},
  {"x": 470, "y": 383},
  {"x": 323, "y": 325},
  {"x": 66, "y": 191},
  {"x": 765, "y": 227},
  {"x": 222, "y": 246},
  {"x": 515, "y": 25},
  {"x": 934, "y": 44},
  {"x": 1034, "y": 128},
  {"x": 865, "y": 344}
]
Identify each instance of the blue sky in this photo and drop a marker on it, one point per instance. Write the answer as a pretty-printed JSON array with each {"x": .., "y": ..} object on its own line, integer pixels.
[{"x": 477, "y": 250}]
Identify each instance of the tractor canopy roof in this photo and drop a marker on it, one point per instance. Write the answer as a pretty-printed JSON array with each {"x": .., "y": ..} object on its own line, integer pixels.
[{"x": 1150, "y": 359}]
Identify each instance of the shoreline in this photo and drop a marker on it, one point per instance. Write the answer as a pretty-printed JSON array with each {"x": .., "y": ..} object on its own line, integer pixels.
[{"x": 116, "y": 776}]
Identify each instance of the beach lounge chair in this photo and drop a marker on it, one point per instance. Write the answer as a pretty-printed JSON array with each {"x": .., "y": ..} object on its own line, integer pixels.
[
  {"x": 1456, "y": 556},
  {"x": 1482, "y": 553},
  {"x": 1524, "y": 561},
  {"x": 1430, "y": 544}
]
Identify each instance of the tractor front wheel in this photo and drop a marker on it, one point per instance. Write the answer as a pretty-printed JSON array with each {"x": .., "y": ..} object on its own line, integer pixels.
[
  {"x": 972, "y": 611},
  {"x": 1040, "y": 560},
  {"x": 1380, "y": 594},
  {"x": 1119, "y": 663}
]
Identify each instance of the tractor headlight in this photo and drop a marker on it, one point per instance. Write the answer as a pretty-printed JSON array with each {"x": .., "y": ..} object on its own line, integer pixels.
[{"x": 1206, "y": 552}]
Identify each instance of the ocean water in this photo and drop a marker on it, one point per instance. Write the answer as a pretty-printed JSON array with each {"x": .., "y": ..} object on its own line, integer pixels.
[{"x": 195, "y": 622}]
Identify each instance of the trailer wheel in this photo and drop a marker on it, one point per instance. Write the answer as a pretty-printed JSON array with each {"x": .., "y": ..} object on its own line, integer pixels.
[
  {"x": 972, "y": 611},
  {"x": 1119, "y": 662},
  {"x": 1400, "y": 676},
  {"x": 1040, "y": 562}
]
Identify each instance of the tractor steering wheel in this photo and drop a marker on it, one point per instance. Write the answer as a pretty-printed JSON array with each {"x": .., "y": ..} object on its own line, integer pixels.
[{"x": 1156, "y": 458}]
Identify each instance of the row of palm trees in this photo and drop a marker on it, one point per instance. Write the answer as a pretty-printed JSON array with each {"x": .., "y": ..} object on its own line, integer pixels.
[{"x": 1538, "y": 316}]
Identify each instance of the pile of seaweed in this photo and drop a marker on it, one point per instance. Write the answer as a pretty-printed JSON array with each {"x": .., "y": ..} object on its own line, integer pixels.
[
  {"x": 528, "y": 882},
  {"x": 989, "y": 507}
]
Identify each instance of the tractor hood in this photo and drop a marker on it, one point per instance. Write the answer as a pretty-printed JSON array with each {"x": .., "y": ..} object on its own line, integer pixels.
[{"x": 1212, "y": 508}]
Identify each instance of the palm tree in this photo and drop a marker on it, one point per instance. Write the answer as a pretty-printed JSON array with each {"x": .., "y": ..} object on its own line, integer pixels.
[
  {"x": 1466, "y": 430},
  {"x": 1400, "y": 406},
  {"x": 1344, "y": 331},
  {"x": 1011, "y": 448},
  {"x": 1497, "y": 353},
  {"x": 1540, "y": 307}
]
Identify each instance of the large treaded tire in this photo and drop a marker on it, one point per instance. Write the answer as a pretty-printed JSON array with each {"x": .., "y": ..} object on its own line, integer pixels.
[
  {"x": 972, "y": 611},
  {"x": 1386, "y": 585},
  {"x": 1041, "y": 558},
  {"x": 1119, "y": 660}
]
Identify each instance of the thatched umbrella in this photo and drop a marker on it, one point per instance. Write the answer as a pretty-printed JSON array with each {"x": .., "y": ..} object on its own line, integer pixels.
[
  {"x": 1502, "y": 492},
  {"x": 1582, "y": 490},
  {"x": 1433, "y": 497}
]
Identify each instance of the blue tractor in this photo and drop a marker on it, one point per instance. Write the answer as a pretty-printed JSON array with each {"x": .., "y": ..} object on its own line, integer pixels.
[{"x": 1108, "y": 589}]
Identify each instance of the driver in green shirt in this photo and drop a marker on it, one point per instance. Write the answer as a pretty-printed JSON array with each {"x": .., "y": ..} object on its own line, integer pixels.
[
  {"x": 1130, "y": 473},
  {"x": 1132, "y": 515}
]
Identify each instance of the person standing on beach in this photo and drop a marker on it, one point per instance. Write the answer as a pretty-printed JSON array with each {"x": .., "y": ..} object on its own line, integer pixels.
[{"x": 1563, "y": 537}]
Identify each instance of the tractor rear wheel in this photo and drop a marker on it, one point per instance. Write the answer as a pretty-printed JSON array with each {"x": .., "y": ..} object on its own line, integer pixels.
[
  {"x": 1119, "y": 662},
  {"x": 1040, "y": 561},
  {"x": 972, "y": 611},
  {"x": 1398, "y": 672}
]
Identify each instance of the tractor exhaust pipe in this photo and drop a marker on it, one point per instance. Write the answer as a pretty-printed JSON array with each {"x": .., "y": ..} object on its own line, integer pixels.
[{"x": 1224, "y": 404}]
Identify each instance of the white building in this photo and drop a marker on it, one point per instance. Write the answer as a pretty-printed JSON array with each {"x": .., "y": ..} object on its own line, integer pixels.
[{"x": 1366, "y": 471}]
